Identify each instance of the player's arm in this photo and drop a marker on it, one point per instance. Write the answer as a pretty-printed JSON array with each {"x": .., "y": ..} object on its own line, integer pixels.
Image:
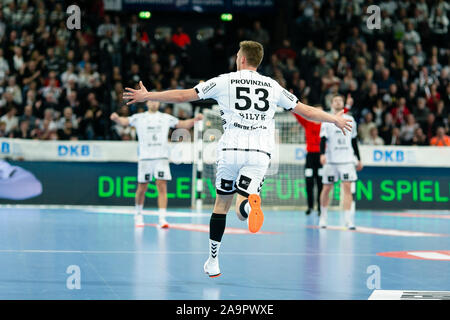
[
  {"x": 168, "y": 96},
  {"x": 323, "y": 145},
  {"x": 290, "y": 102},
  {"x": 357, "y": 154},
  {"x": 123, "y": 121},
  {"x": 187, "y": 124},
  {"x": 315, "y": 114}
]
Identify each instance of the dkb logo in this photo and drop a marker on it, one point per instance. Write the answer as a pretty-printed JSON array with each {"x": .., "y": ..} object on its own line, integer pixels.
[{"x": 74, "y": 150}]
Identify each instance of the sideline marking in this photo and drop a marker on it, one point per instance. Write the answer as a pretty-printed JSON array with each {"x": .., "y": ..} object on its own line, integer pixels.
[
  {"x": 435, "y": 255},
  {"x": 409, "y": 295},
  {"x": 415, "y": 215},
  {"x": 205, "y": 228},
  {"x": 383, "y": 232}
]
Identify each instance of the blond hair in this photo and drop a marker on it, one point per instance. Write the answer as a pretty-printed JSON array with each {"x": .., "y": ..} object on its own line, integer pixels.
[{"x": 253, "y": 51}]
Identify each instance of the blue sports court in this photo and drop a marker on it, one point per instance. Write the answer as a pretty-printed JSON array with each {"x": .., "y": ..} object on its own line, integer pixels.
[{"x": 98, "y": 253}]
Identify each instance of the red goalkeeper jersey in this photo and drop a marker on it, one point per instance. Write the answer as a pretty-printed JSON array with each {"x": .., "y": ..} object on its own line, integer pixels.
[{"x": 312, "y": 132}]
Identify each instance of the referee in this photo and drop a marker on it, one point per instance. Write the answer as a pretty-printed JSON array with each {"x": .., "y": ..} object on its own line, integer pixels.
[{"x": 313, "y": 172}]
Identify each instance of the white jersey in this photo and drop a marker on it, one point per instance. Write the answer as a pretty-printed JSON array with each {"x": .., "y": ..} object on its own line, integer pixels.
[
  {"x": 339, "y": 146},
  {"x": 247, "y": 102},
  {"x": 152, "y": 130}
]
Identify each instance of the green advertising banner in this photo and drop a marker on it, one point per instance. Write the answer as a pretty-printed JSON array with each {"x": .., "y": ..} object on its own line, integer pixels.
[{"x": 113, "y": 183}]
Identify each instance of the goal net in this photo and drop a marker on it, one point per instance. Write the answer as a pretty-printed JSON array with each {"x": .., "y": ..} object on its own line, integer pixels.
[{"x": 284, "y": 185}]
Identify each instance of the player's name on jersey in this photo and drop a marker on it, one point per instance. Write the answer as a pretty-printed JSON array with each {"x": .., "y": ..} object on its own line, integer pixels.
[
  {"x": 251, "y": 82},
  {"x": 244, "y": 127},
  {"x": 253, "y": 116}
]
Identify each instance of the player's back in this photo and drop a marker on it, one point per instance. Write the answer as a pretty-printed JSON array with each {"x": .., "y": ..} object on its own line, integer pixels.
[{"x": 248, "y": 102}]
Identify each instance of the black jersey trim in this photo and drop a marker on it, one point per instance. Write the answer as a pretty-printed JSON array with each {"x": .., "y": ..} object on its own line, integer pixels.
[
  {"x": 242, "y": 192},
  {"x": 224, "y": 193}
]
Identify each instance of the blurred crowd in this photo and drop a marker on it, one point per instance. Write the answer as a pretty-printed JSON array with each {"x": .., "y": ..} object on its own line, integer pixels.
[{"x": 63, "y": 84}]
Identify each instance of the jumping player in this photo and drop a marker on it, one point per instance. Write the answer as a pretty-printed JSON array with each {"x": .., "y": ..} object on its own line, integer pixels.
[
  {"x": 313, "y": 167},
  {"x": 247, "y": 103},
  {"x": 152, "y": 129},
  {"x": 337, "y": 157}
]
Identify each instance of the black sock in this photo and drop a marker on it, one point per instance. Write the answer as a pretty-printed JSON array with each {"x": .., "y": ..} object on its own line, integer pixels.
[
  {"x": 242, "y": 208},
  {"x": 217, "y": 226}
]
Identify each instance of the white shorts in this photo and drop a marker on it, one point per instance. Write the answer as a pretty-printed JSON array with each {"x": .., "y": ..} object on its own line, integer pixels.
[
  {"x": 241, "y": 171},
  {"x": 334, "y": 172},
  {"x": 149, "y": 169}
]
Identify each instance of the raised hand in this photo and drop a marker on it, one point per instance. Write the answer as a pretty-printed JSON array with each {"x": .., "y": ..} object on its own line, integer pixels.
[
  {"x": 136, "y": 95},
  {"x": 114, "y": 116},
  {"x": 343, "y": 123}
]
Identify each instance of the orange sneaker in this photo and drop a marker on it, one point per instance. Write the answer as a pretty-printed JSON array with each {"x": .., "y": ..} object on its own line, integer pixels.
[{"x": 256, "y": 216}]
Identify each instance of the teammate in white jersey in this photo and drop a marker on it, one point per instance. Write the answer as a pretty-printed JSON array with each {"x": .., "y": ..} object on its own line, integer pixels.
[
  {"x": 248, "y": 102},
  {"x": 152, "y": 129},
  {"x": 338, "y": 153}
]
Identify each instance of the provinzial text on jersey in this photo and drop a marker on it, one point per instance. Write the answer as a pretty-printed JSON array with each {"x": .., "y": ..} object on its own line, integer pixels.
[{"x": 251, "y": 82}]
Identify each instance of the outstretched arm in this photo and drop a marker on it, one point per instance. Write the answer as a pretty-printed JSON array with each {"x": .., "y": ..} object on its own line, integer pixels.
[
  {"x": 123, "y": 121},
  {"x": 169, "y": 96},
  {"x": 319, "y": 115},
  {"x": 187, "y": 124}
]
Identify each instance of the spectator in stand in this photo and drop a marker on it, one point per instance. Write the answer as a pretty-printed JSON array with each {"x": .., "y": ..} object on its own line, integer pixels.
[
  {"x": 411, "y": 39},
  {"x": 421, "y": 111},
  {"x": 400, "y": 112},
  {"x": 181, "y": 39},
  {"x": 67, "y": 132},
  {"x": 23, "y": 131},
  {"x": 430, "y": 126},
  {"x": 441, "y": 139},
  {"x": 259, "y": 34},
  {"x": 10, "y": 119},
  {"x": 373, "y": 139},
  {"x": 286, "y": 51},
  {"x": 419, "y": 139},
  {"x": 439, "y": 27},
  {"x": 385, "y": 130},
  {"x": 3, "y": 129},
  {"x": 385, "y": 81},
  {"x": 67, "y": 116},
  {"x": 15, "y": 90},
  {"x": 28, "y": 116},
  {"x": 433, "y": 97},
  {"x": 407, "y": 130},
  {"x": 366, "y": 126},
  {"x": 442, "y": 115},
  {"x": 395, "y": 137}
]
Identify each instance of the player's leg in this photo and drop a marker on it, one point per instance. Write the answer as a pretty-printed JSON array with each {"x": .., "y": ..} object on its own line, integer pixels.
[
  {"x": 139, "y": 201},
  {"x": 348, "y": 176},
  {"x": 143, "y": 178},
  {"x": 162, "y": 175},
  {"x": 309, "y": 177},
  {"x": 217, "y": 225},
  {"x": 328, "y": 179},
  {"x": 225, "y": 189},
  {"x": 161, "y": 186},
  {"x": 318, "y": 179},
  {"x": 248, "y": 187},
  {"x": 317, "y": 175}
]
